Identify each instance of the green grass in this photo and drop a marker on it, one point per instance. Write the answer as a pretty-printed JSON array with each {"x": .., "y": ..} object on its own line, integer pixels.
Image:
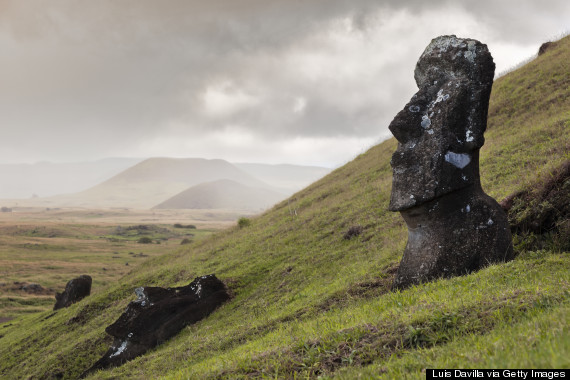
[{"x": 308, "y": 302}]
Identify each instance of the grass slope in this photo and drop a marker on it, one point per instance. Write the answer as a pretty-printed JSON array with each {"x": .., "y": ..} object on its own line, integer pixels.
[{"x": 309, "y": 302}]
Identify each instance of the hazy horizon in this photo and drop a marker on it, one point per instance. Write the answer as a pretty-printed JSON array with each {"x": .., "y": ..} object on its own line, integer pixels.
[
  {"x": 306, "y": 83},
  {"x": 88, "y": 182},
  {"x": 140, "y": 159}
]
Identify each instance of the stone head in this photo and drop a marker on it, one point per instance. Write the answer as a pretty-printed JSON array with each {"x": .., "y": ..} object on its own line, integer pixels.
[{"x": 440, "y": 131}]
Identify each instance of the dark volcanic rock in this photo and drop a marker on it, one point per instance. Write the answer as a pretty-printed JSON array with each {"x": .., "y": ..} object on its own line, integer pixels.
[
  {"x": 157, "y": 315},
  {"x": 17, "y": 286},
  {"x": 453, "y": 226},
  {"x": 542, "y": 208},
  {"x": 75, "y": 291},
  {"x": 33, "y": 288},
  {"x": 540, "y": 214},
  {"x": 544, "y": 47}
]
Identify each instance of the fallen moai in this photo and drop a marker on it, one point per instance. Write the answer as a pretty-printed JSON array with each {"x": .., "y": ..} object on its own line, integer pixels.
[
  {"x": 157, "y": 315},
  {"x": 75, "y": 291},
  {"x": 453, "y": 226}
]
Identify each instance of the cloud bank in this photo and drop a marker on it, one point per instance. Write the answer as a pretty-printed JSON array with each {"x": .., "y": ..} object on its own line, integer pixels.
[{"x": 311, "y": 81}]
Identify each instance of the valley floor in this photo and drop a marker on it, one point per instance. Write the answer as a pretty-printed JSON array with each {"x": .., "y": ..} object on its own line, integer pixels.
[{"x": 41, "y": 249}]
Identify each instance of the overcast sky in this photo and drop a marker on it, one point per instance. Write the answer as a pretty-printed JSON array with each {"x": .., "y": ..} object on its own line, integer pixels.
[{"x": 276, "y": 81}]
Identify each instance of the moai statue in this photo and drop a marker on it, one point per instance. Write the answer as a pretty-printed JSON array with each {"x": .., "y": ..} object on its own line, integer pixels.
[
  {"x": 453, "y": 226},
  {"x": 75, "y": 291}
]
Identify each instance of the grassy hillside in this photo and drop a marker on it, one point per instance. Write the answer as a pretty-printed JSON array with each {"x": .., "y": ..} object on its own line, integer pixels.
[
  {"x": 311, "y": 300},
  {"x": 223, "y": 194}
]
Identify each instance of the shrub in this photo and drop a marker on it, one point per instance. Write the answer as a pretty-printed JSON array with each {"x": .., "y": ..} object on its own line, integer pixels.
[
  {"x": 190, "y": 226},
  {"x": 243, "y": 222},
  {"x": 145, "y": 240},
  {"x": 185, "y": 241}
]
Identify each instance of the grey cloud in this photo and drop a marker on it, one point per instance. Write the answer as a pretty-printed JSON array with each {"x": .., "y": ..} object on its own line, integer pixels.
[{"x": 111, "y": 75}]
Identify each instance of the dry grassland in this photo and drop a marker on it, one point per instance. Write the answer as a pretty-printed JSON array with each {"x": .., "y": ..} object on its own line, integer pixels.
[{"x": 41, "y": 249}]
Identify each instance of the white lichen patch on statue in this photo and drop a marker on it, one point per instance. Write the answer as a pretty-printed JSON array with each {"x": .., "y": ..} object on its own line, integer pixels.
[
  {"x": 141, "y": 296},
  {"x": 426, "y": 122},
  {"x": 120, "y": 350},
  {"x": 440, "y": 97},
  {"x": 414, "y": 109},
  {"x": 469, "y": 136},
  {"x": 459, "y": 160},
  {"x": 490, "y": 222},
  {"x": 470, "y": 53},
  {"x": 443, "y": 44}
]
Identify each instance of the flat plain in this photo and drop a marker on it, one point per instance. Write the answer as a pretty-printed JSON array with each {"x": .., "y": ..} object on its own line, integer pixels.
[{"x": 41, "y": 249}]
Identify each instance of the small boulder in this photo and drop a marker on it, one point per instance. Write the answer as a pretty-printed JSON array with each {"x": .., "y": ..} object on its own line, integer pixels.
[
  {"x": 32, "y": 288},
  {"x": 544, "y": 47},
  {"x": 75, "y": 291},
  {"x": 157, "y": 315}
]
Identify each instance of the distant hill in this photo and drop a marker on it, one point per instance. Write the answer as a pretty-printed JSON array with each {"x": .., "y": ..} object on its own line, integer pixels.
[
  {"x": 154, "y": 180},
  {"x": 182, "y": 170},
  {"x": 138, "y": 183},
  {"x": 290, "y": 178},
  {"x": 223, "y": 194}
]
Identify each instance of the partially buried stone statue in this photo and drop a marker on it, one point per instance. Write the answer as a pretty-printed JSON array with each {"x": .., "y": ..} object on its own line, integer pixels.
[
  {"x": 157, "y": 315},
  {"x": 75, "y": 291},
  {"x": 453, "y": 226}
]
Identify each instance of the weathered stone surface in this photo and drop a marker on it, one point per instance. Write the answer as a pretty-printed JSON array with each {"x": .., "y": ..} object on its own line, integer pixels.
[
  {"x": 75, "y": 291},
  {"x": 157, "y": 315},
  {"x": 453, "y": 226}
]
